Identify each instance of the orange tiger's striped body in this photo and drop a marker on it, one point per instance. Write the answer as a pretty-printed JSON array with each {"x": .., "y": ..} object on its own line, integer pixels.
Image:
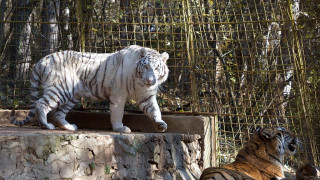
[
  {"x": 218, "y": 173},
  {"x": 261, "y": 158}
]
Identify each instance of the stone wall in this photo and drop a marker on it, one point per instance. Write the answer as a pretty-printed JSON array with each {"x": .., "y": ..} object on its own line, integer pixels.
[{"x": 32, "y": 153}]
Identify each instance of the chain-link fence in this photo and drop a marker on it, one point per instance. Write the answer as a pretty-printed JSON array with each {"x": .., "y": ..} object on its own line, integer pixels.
[{"x": 248, "y": 63}]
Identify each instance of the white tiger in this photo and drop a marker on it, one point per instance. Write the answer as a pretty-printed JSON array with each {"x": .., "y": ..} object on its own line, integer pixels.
[{"x": 131, "y": 73}]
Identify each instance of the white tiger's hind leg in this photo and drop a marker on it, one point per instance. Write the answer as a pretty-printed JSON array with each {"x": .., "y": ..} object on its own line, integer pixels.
[
  {"x": 60, "y": 115},
  {"x": 42, "y": 109},
  {"x": 50, "y": 103}
]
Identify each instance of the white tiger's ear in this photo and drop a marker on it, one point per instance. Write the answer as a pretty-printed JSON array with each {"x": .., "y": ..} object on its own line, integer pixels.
[
  {"x": 143, "y": 52},
  {"x": 165, "y": 57}
]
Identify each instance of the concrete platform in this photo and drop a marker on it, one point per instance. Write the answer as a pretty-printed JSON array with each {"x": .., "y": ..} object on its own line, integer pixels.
[
  {"x": 180, "y": 153},
  {"x": 32, "y": 153}
]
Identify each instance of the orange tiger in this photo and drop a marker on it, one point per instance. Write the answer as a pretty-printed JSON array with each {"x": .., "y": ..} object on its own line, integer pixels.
[{"x": 261, "y": 158}]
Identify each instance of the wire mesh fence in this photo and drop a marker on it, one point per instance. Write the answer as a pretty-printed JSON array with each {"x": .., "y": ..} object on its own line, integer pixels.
[{"x": 249, "y": 63}]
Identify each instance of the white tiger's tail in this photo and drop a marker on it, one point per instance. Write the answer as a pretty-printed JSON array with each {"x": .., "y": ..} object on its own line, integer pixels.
[{"x": 35, "y": 78}]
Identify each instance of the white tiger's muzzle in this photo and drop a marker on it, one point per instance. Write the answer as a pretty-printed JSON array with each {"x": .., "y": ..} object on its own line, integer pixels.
[{"x": 150, "y": 79}]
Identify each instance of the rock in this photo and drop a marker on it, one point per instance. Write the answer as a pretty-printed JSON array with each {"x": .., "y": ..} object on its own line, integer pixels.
[
  {"x": 58, "y": 154},
  {"x": 201, "y": 126}
]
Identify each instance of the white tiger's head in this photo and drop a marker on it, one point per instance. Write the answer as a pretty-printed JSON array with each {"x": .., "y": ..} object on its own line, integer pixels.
[{"x": 152, "y": 68}]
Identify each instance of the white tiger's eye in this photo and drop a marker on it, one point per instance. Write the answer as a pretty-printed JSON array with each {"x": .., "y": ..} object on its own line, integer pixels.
[{"x": 158, "y": 67}]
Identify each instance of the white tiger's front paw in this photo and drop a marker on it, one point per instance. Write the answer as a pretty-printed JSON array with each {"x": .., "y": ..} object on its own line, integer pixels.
[
  {"x": 161, "y": 126},
  {"x": 49, "y": 126},
  {"x": 123, "y": 129},
  {"x": 70, "y": 127}
]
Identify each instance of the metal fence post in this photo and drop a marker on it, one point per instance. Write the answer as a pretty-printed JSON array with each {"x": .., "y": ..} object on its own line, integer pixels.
[
  {"x": 300, "y": 68},
  {"x": 190, "y": 53}
]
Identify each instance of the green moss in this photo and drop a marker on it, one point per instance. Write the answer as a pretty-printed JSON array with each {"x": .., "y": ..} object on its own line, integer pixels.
[
  {"x": 46, "y": 151},
  {"x": 92, "y": 166},
  {"x": 50, "y": 146},
  {"x": 107, "y": 169},
  {"x": 69, "y": 137}
]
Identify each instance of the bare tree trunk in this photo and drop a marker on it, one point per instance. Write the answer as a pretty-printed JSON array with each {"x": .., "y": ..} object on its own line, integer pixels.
[
  {"x": 288, "y": 62},
  {"x": 2, "y": 36},
  {"x": 124, "y": 7},
  {"x": 19, "y": 49},
  {"x": 3, "y": 8},
  {"x": 66, "y": 35},
  {"x": 49, "y": 28},
  {"x": 25, "y": 50}
]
